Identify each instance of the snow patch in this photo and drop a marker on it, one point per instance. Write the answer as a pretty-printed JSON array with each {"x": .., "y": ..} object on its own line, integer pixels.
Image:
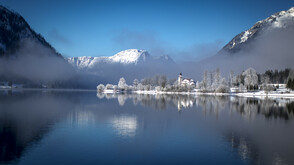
[
  {"x": 245, "y": 36},
  {"x": 128, "y": 56},
  {"x": 281, "y": 19}
]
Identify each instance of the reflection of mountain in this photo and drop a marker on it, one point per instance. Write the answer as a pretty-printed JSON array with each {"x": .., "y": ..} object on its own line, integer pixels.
[{"x": 25, "y": 119}]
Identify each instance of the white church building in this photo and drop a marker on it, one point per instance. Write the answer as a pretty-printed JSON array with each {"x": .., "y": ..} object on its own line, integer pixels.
[{"x": 185, "y": 81}]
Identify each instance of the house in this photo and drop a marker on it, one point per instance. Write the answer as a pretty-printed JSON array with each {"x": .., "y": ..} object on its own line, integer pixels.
[{"x": 185, "y": 81}]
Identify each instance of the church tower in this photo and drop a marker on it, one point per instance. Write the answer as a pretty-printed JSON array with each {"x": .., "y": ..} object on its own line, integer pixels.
[{"x": 180, "y": 79}]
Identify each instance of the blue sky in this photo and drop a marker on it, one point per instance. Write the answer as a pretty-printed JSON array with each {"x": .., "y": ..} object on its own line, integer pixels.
[{"x": 182, "y": 29}]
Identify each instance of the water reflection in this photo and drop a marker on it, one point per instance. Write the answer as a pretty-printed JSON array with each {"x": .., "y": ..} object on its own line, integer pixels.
[
  {"x": 81, "y": 118},
  {"x": 247, "y": 107},
  {"x": 272, "y": 151},
  {"x": 258, "y": 131},
  {"x": 251, "y": 138},
  {"x": 25, "y": 118},
  {"x": 125, "y": 126}
]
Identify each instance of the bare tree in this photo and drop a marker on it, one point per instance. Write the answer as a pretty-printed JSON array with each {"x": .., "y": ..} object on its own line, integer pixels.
[
  {"x": 205, "y": 80},
  {"x": 250, "y": 78},
  {"x": 162, "y": 81}
]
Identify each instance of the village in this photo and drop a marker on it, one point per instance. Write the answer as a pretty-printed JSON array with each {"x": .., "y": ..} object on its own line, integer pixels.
[{"x": 248, "y": 84}]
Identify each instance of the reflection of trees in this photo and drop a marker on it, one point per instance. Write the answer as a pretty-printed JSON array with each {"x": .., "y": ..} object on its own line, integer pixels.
[
  {"x": 290, "y": 108},
  {"x": 243, "y": 147},
  {"x": 267, "y": 153},
  {"x": 250, "y": 107},
  {"x": 212, "y": 105}
]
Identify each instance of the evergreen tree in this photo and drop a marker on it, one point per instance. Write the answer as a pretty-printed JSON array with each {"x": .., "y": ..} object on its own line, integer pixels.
[{"x": 289, "y": 83}]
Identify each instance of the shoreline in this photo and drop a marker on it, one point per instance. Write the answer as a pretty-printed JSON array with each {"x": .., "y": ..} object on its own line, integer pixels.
[
  {"x": 259, "y": 94},
  {"x": 48, "y": 89}
]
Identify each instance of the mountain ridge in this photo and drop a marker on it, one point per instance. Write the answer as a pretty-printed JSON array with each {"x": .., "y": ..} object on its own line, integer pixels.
[
  {"x": 278, "y": 20},
  {"x": 15, "y": 31},
  {"x": 126, "y": 57}
]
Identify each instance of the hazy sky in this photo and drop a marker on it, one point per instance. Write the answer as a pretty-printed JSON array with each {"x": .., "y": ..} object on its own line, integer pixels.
[{"x": 179, "y": 28}]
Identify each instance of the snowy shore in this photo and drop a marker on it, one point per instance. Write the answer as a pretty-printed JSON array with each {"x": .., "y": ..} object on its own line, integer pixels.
[{"x": 259, "y": 94}]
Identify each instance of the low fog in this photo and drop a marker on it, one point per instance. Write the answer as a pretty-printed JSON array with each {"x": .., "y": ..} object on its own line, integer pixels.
[
  {"x": 272, "y": 49},
  {"x": 36, "y": 63}
]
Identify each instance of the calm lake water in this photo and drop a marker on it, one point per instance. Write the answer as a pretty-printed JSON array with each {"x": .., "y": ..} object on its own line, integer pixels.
[{"x": 63, "y": 127}]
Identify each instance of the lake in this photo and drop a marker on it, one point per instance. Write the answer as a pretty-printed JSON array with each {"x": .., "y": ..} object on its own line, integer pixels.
[{"x": 83, "y": 127}]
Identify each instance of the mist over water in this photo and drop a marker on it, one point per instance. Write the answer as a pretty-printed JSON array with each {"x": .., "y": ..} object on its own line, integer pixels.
[
  {"x": 271, "y": 49},
  {"x": 36, "y": 63},
  {"x": 48, "y": 127}
]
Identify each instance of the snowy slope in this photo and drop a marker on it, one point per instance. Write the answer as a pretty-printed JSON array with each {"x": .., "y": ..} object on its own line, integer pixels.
[
  {"x": 15, "y": 32},
  {"x": 126, "y": 57},
  {"x": 279, "y": 20},
  {"x": 130, "y": 56}
]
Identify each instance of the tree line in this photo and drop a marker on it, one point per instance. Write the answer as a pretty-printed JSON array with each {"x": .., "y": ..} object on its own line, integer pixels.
[{"x": 212, "y": 81}]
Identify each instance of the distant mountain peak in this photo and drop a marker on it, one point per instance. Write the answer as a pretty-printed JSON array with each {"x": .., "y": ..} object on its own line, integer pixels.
[
  {"x": 125, "y": 57},
  {"x": 278, "y": 20},
  {"x": 130, "y": 56}
]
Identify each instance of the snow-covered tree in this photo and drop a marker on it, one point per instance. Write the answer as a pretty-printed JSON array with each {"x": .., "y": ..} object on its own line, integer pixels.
[
  {"x": 122, "y": 84},
  {"x": 250, "y": 77},
  {"x": 222, "y": 89},
  {"x": 115, "y": 88},
  {"x": 140, "y": 87},
  {"x": 108, "y": 86},
  {"x": 216, "y": 79},
  {"x": 232, "y": 79},
  {"x": 223, "y": 82},
  {"x": 147, "y": 81},
  {"x": 100, "y": 88},
  {"x": 240, "y": 80},
  {"x": 158, "y": 88},
  {"x": 147, "y": 87},
  {"x": 209, "y": 80},
  {"x": 264, "y": 79},
  {"x": 204, "y": 80},
  {"x": 197, "y": 85},
  {"x": 135, "y": 83},
  {"x": 167, "y": 87},
  {"x": 264, "y": 82},
  {"x": 162, "y": 81}
]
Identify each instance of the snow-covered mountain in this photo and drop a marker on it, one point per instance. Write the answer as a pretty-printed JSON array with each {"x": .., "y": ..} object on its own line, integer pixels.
[
  {"x": 280, "y": 20},
  {"x": 25, "y": 56},
  {"x": 130, "y": 64},
  {"x": 130, "y": 56},
  {"x": 268, "y": 44},
  {"x": 126, "y": 57}
]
